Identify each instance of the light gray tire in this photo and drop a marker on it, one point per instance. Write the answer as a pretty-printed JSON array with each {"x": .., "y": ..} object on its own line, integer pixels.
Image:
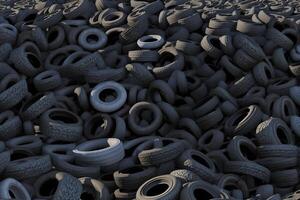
[
  {"x": 11, "y": 186},
  {"x": 110, "y": 106},
  {"x": 83, "y": 39},
  {"x": 108, "y": 151},
  {"x": 170, "y": 185},
  {"x": 185, "y": 175},
  {"x": 146, "y": 42}
]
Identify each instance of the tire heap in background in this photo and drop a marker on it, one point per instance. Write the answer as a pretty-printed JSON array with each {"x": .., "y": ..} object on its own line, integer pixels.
[{"x": 149, "y": 100}]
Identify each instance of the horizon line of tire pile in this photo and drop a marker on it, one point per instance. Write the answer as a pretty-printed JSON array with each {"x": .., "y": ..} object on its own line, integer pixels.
[{"x": 149, "y": 100}]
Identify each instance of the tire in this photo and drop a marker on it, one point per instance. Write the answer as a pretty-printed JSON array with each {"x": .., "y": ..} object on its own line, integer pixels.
[
  {"x": 10, "y": 126},
  {"x": 131, "y": 178},
  {"x": 243, "y": 60},
  {"x": 188, "y": 47},
  {"x": 144, "y": 42},
  {"x": 135, "y": 111},
  {"x": 171, "y": 149},
  {"x": 211, "y": 140},
  {"x": 95, "y": 188},
  {"x": 76, "y": 9},
  {"x": 265, "y": 191},
  {"x": 124, "y": 194},
  {"x": 8, "y": 33},
  {"x": 274, "y": 131},
  {"x": 248, "y": 168},
  {"x": 98, "y": 126},
  {"x": 110, "y": 106},
  {"x": 32, "y": 143},
  {"x": 5, "y": 158},
  {"x": 284, "y": 108},
  {"x": 198, "y": 163},
  {"x": 61, "y": 124},
  {"x": 100, "y": 41},
  {"x": 69, "y": 166},
  {"x": 171, "y": 185},
  {"x": 199, "y": 188},
  {"x": 279, "y": 38},
  {"x": 11, "y": 188},
  {"x": 210, "y": 45},
  {"x": 185, "y": 175},
  {"x": 14, "y": 94},
  {"x": 37, "y": 105},
  {"x": 241, "y": 148},
  {"x": 27, "y": 59},
  {"x": 28, "y": 167},
  {"x": 143, "y": 55},
  {"x": 279, "y": 59},
  {"x": 249, "y": 118},
  {"x": 57, "y": 185},
  {"x": 113, "y": 19},
  {"x": 249, "y": 46},
  {"x": 166, "y": 69},
  {"x": 285, "y": 178},
  {"x": 242, "y": 85},
  {"x": 227, "y": 47},
  {"x": 263, "y": 73},
  {"x": 103, "y": 156},
  {"x": 47, "y": 80},
  {"x": 250, "y": 28},
  {"x": 5, "y": 50},
  {"x": 281, "y": 86},
  {"x": 277, "y": 150},
  {"x": 278, "y": 163},
  {"x": 61, "y": 151},
  {"x": 236, "y": 182},
  {"x": 207, "y": 105}
]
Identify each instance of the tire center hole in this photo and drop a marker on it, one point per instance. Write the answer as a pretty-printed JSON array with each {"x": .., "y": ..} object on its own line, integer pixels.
[
  {"x": 92, "y": 38},
  {"x": 281, "y": 135},
  {"x": 52, "y": 36},
  {"x": 202, "y": 194},
  {"x": 150, "y": 39},
  {"x": 108, "y": 95},
  {"x": 200, "y": 160},
  {"x": 49, "y": 187},
  {"x": 240, "y": 117},
  {"x": 63, "y": 117},
  {"x": 33, "y": 60},
  {"x": 157, "y": 189},
  {"x": 86, "y": 196},
  {"x": 247, "y": 152},
  {"x": 131, "y": 170}
]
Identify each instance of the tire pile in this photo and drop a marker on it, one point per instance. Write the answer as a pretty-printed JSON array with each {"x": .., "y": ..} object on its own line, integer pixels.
[{"x": 149, "y": 100}]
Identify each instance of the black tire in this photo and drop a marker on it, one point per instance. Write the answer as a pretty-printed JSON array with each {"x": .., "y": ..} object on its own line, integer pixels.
[
  {"x": 14, "y": 94},
  {"x": 61, "y": 124},
  {"x": 274, "y": 131},
  {"x": 28, "y": 167},
  {"x": 131, "y": 178},
  {"x": 194, "y": 190},
  {"x": 171, "y": 149},
  {"x": 57, "y": 185},
  {"x": 10, "y": 125},
  {"x": 95, "y": 188},
  {"x": 198, "y": 163}
]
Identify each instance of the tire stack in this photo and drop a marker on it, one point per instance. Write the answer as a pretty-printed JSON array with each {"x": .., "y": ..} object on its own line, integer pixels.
[{"x": 149, "y": 100}]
